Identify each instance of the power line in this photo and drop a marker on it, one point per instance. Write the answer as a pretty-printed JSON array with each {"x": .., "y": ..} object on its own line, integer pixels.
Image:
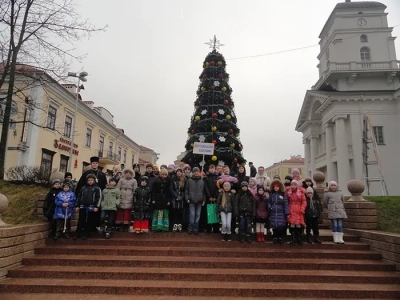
[{"x": 300, "y": 48}]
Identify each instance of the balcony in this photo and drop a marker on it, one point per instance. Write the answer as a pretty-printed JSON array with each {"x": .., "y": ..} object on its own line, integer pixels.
[
  {"x": 108, "y": 157},
  {"x": 335, "y": 70}
]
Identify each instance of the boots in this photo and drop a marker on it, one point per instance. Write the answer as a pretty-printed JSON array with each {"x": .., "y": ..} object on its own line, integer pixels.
[
  {"x": 223, "y": 237},
  {"x": 298, "y": 236},
  {"x": 125, "y": 228},
  {"x": 309, "y": 240},
  {"x": 262, "y": 236},
  {"x": 248, "y": 239},
  {"x": 293, "y": 236},
  {"x": 340, "y": 237},
  {"x": 259, "y": 237},
  {"x": 335, "y": 237},
  {"x": 228, "y": 237},
  {"x": 56, "y": 236},
  {"x": 317, "y": 240},
  {"x": 241, "y": 238}
]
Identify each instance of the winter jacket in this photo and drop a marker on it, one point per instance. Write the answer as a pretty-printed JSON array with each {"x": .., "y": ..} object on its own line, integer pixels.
[
  {"x": 89, "y": 195},
  {"x": 297, "y": 206},
  {"x": 305, "y": 186},
  {"x": 141, "y": 203},
  {"x": 111, "y": 198},
  {"x": 177, "y": 192},
  {"x": 264, "y": 180},
  {"x": 64, "y": 212},
  {"x": 49, "y": 203},
  {"x": 195, "y": 190},
  {"x": 278, "y": 208},
  {"x": 211, "y": 189},
  {"x": 152, "y": 179},
  {"x": 253, "y": 171},
  {"x": 241, "y": 177},
  {"x": 244, "y": 203},
  {"x": 261, "y": 206},
  {"x": 334, "y": 201},
  {"x": 127, "y": 185},
  {"x": 230, "y": 199},
  {"x": 160, "y": 193},
  {"x": 314, "y": 208}
]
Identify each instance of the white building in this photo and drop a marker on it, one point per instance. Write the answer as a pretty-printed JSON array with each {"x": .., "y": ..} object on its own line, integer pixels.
[{"x": 359, "y": 74}]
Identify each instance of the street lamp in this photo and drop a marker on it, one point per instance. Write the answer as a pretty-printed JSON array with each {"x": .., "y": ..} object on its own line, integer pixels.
[{"x": 81, "y": 77}]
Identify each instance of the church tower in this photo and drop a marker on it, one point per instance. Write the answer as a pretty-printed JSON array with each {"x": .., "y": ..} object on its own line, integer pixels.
[{"x": 357, "y": 50}]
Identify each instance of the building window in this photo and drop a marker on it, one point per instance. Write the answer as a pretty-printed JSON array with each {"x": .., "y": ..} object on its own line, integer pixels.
[
  {"x": 363, "y": 38},
  {"x": 133, "y": 159},
  {"x": 63, "y": 163},
  {"x": 124, "y": 160},
  {"x": 67, "y": 126},
  {"x": 46, "y": 162},
  {"x": 101, "y": 145},
  {"x": 365, "y": 54},
  {"x": 290, "y": 171},
  {"x": 88, "y": 140},
  {"x": 119, "y": 153},
  {"x": 51, "y": 118},
  {"x": 110, "y": 148},
  {"x": 378, "y": 132},
  {"x": 84, "y": 165}
]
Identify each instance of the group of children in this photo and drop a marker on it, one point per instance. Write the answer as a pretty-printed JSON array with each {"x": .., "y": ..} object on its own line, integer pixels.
[{"x": 173, "y": 196}]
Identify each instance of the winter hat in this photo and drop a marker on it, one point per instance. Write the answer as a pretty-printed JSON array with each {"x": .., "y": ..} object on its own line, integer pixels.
[
  {"x": 288, "y": 177},
  {"x": 179, "y": 169},
  {"x": 186, "y": 167},
  {"x": 277, "y": 177},
  {"x": 171, "y": 166},
  {"x": 227, "y": 183},
  {"x": 91, "y": 176},
  {"x": 310, "y": 190},
  {"x": 196, "y": 169},
  {"x": 295, "y": 182},
  {"x": 55, "y": 181},
  {"x": 67, "y": 183},
  {"x": 244, "y": 183},
  {"x": 253, "y": 179},
  {"x": 260, "y": 186},
  {"x": 136, "y": 165},
  {"x": 332, "y": 183},
  {"x": 112, "y": 179},
  {"x": 296, "y": 170},
  {"x": 67, "y": 174},
  {"x": 144, "y": 178},
  {"x": 308, "y": 179},
  {"x": 163, "y": 166}
]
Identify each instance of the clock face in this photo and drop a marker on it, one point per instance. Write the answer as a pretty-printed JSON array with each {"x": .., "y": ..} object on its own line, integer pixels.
[{"x": 361, "y": 22}]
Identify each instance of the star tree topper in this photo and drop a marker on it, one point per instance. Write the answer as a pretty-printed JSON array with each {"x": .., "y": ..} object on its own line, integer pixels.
[{"x": 214, "y": 43}]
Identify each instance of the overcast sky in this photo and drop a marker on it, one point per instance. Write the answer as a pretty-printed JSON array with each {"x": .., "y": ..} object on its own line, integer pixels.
[{"x": 145, "y": 67}]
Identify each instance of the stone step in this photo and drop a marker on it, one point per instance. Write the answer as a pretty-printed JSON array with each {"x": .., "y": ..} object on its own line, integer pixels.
[
  {"x": 208, "y": 262},
  {"x": 178, "y": 288},
  {"x": 316, "y": 253},
  {"x": 200, "y": 274}
]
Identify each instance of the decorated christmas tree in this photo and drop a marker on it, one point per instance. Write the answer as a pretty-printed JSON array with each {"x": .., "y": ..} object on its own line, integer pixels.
[{"x": 214, "y": 120}]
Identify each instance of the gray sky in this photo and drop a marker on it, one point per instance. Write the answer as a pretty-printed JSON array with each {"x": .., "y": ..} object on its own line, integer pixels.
[{"x": 145, "y": 67}]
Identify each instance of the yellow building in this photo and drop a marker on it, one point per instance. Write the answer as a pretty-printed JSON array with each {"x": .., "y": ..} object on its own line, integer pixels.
[
  {"x": 285, "y": 167},
  {"x": 147, "y": 156},
  {"x": 41, "y": 128}
]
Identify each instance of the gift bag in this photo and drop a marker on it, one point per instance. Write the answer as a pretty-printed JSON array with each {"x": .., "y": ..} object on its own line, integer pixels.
[{"x": 212, "y": 216}]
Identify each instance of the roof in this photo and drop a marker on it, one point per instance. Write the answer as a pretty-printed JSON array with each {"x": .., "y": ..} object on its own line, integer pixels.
[
  {"x": 142, "y": 161},
  {"x": 143, "y": 148},
  {"x": 359, "y": 4},
  {"x": 292, "y": 160}
]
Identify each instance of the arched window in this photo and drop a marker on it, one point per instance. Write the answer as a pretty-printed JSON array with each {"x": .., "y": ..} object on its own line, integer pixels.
[
  {"x": 365, "y": 54},
  {"x": 363, "y": 38}
]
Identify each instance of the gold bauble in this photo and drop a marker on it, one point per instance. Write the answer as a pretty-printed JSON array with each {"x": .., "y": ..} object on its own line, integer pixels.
[
  {"x": 219, "y": 63},
  {"x": 196, "y": 107},
  {"x": 189, "y": 134},
  {"x": 232, "y": 107},
  {"x": 207, "y": 64},
  {"x": 192, "y": 145},
  {"x": 214, "y": 128},
  {"x": 223, "y": 89},
  {"x": 237, "y": 134},
  {"x": 197, "y": 118},
  {"x": 232, "y": 145},
  {"x": 214, "y": 158},
  {"x": 203, "y": 89},
  {"x": 228, "y": 117}
]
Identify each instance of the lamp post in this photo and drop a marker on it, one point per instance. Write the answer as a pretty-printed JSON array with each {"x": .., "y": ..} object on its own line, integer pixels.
[{"x": 81, "y": 77}]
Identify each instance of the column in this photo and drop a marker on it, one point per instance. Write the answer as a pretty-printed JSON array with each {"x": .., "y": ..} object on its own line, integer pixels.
[
  {"x": 356, "y": 142},
  {"x": 313, "y": 153},
  {"x": 342, "y": 152},
  {"x": 306, "y": 143},
  {"x": 330, "y": 171}
]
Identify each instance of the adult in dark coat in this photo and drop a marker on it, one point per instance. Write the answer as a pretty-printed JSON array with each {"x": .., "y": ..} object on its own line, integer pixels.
[
  {"x": 253, "y": 170},
  {"x": 101, "y": 182}
]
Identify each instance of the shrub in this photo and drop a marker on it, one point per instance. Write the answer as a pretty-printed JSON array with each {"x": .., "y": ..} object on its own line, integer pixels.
[{"x": 27, "y": 175}]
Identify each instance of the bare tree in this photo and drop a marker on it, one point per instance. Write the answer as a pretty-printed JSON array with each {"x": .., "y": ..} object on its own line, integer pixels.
[{"x": 41, "y": 34}]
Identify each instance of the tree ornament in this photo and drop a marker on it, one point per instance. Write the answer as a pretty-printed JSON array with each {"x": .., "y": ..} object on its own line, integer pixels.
[
  {"x": 207, "y": 64},
  {"x": 221, "y": 111},
  {"x": 202, "y": 138},
  {"x": 237, "y": 134},
  {"x": 204, "y": 111},
  {"x": 212, "y": 63},
  {"x": 214, "y": 128},
  {"x": 189, "y": 134},
  {"x": 232, "y": 145},
  {"x": 219, "y": 63},
  {"x": 203, "y": 89},
  {"x": 197, "y": 118},
  {"x": 223, "y": 89},
  {"x": 222, "y": 139},
  {"x": 199, "y": 103},
  {"x": 228, "y": 117},
  {"x": 190, "y": 160},
  {"x": 212, "y": 87},
  {"x": 232, "y": 106},
  {"x": 220, "y": 75},
  {"x": 235, "y": 160},
  {"x": 226, "y": 102},
  {"x": 192, "y": 145},
  {"x": 205, "y": 76},
  {"x": 216, "y": 83},
  {"x": 214, "y": 158},
  {"x": 230, "y": 131},
  {"x": 196, "y": 107},
  {"x": 214, "y": 115},
  {"x": 214, "y": 142},
  {"x": 193, "y": 131},
  {"x": 221, "y": 162}
]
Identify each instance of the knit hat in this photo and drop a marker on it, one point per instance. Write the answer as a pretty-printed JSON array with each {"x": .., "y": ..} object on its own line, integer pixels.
[
  {"x": 196, "y": 169},
  {"x": 288, "y": 177},
  {"x": 179, "y": 169},
  {"x": 295, "y": 182},
  {"x": 310, "y": 190},
  {"x": 171, "y": 166},
  {"x": 68, "y": 183},
  {"x": 112, "y": 179},
  {"x": 332, "y": 183},
  {"x": 227, "y": 183},
  {"x": 260, "y": 186},
  {"x": 244, "y": 183},
  {"x": 55, "y": 181},
  {"x": 91, "y": 176},
  {"x": 277, "y": 177},
  {"x": 68, "y": 174},
  {"x": 186, "y": 167},
  {"x": 308, "y": 179},
  {"x": 163, "y": 166},
  {"x": 136, "y": 165},
  {"x": 253, "y": 179},
  {"x": 296, "y": 170}
]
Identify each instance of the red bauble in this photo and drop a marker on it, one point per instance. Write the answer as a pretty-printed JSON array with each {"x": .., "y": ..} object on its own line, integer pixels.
[
  {"x": 230, "y": 131},
  {"x": 199, "y": 102},
  {"x": 205, "y": 76},
  {"x": 212, "y": 87},
  {"x": 193, "y": 131},
  {"x": 235, "y": 160},
  {"x": 214, "y": 115},
  {"x": 212, "y": 63},
  {"x": 214, "y": 142},
  {"x": 226, "y": 102},
  {"x": 220, "y": 75},
  {"x": 189, "y": 160}
]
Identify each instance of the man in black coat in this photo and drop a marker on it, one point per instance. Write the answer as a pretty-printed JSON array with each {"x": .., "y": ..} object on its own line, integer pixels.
[
  {"x": 253, "y": 170},
  {"x": 211, "y": 191},
  {"x": 100, "y": 181}
]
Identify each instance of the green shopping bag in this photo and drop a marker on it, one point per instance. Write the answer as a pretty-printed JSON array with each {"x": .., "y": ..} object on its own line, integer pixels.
[{"x": 212, "y": 216}]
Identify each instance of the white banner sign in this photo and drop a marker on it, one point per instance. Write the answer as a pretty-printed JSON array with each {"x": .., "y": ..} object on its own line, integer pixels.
[{"x": 203, "y": 148}]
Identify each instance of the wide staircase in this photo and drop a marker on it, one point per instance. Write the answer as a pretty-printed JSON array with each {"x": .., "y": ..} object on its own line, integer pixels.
[{"x": 182, "y": 266}]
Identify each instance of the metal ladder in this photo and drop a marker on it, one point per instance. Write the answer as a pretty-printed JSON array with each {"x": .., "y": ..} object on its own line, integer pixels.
[{"x": 368, "y": 128}]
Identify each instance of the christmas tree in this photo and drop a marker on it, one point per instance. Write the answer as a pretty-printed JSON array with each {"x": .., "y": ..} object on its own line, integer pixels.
[{"x": 214, "y": 120}]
